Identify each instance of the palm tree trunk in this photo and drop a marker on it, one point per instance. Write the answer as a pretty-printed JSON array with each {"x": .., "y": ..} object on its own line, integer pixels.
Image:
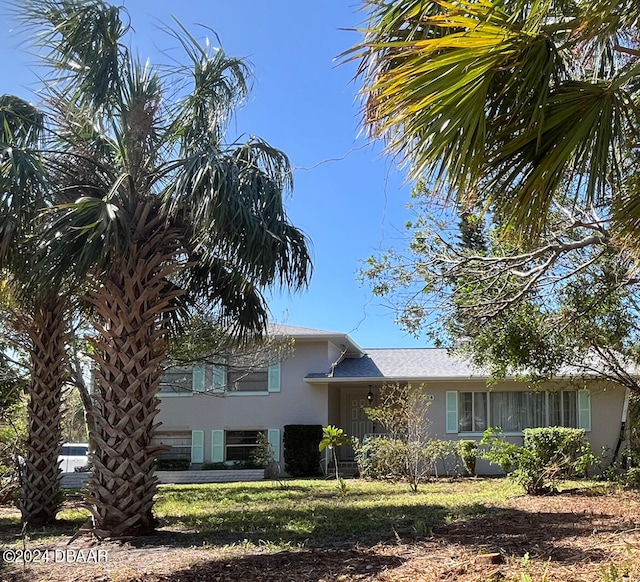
[
  {"x": 128, "y": 354},
  {"x": 41, "y": 497}
]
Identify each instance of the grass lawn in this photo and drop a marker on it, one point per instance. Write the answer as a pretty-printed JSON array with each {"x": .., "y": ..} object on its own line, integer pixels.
[{"x": 307, "y": 530}]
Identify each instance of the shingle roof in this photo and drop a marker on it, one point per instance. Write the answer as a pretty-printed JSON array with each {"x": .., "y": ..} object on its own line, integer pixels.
[{"x": 404, "y": 363}]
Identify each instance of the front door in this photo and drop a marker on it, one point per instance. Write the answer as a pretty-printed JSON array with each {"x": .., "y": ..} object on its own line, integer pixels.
[{"x": 360, "y": 424}]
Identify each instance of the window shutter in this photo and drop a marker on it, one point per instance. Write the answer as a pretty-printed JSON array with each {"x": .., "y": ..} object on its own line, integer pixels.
[
  {"x": 197, "y": 381},
  {"x": 452, "y": 411},
  {"x": 219, "y": 377},
  {"x": 197, "y": 446},
  {"x": 273, "y": 436},
  {"x": 274, "y": 377},
  {"x": 217, "y": 446},
  {"x": 584, "y": 409}
]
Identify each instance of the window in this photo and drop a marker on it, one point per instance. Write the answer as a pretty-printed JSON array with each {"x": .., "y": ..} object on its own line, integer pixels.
[
  {"x": 515, "y": 411},
  {"x": 177, "y": 381},
  {"x": 220, "y": 378},
  {"x": 473, "y": 412},
  {"x": 248, "y": 380},
  {"x": 241, "y": 444},
  {"x": 177, "y": 444},
  {"x": 240, "y": 379}
]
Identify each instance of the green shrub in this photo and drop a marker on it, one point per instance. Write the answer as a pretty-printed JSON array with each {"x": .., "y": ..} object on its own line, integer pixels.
[
  {"x": 468, "y": 452},
  {"x": 263, "y": 456},
  {"x": 625, "y": 471},
  {"x": 382, "y": 457},
  {"x": 565, "y": 448},
  {"x": 173, "y": 464},
  {"x": 546, "y": 456},
  {"x": 301, "y": 453}
]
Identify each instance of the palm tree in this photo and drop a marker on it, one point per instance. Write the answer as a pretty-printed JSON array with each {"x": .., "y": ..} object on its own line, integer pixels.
[
  {"x": 163, "y": 214},
  {"x": 39, "y": 311},
  {"x": 513, "y": 104}
]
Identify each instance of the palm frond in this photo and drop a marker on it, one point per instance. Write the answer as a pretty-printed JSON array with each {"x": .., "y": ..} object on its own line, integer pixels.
[
  {"x": 238, "y": 304},
  {"x": 23, "y": 180},
  {"x": 83, "y": 40},
  {"x": 87, "y": 235},
  {"x": 502, "y": 100},
  {"x": 219, "y": 85},
  {"x": 233, "y": 202}
]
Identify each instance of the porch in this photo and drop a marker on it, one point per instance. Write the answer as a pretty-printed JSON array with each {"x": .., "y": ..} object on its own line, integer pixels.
[{"x": 347, "y": 404}]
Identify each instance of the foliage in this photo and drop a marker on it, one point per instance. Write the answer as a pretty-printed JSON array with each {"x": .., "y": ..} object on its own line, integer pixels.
[
  {"x": 512, "y": 307},
  {"x": 524, "y": 115},
  {"x": 385, "y": 458},
  {"x": 343, "y": 487},
  {"x": 231, "y": 466},
  {"x": 546, "y": 456},
  {"x": 13, "y": 430},
  {"x": 263, "y": 456},
  {"x": 625, "y": 471},
  {"x": 173, "y": 464},
  {"x": 468, "y": 452},
  {"x": 74, "y": 427},
  {"x": 518, "y": 103},
  {"x": 301, "y": 453},
  {"x": 158, "y": 215},
  {"x": 332, "y": 438},
  {"x": 379, "y": 457},
  {"x": 410, "y": 453}
]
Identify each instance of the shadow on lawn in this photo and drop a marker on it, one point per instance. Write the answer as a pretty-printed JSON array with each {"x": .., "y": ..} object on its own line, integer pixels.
[
  {"x": 566, "y": 537},
  {"x": 316, "y": 564}
]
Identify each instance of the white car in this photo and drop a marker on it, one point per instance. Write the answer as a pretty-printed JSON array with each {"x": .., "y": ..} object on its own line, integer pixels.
[{"x": 73, "y": 455}]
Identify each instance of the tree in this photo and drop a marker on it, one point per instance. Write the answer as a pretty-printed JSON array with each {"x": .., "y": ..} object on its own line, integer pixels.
[
  {"x": 162, "y": 216},
  {"x": 403, "y": 412},
  {"x": 332, "y": 438},
  {"x": 36, "y": 308},
  {"x": 511, "y": 103},
  {"x": 570, "y": 299}
]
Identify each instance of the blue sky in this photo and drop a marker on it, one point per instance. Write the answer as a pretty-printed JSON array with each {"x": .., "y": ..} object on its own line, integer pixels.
[{"x": 348, "y": 197}]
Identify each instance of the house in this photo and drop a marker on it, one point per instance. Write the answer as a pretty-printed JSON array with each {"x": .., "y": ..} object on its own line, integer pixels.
[{"x": 209, "y": 416}]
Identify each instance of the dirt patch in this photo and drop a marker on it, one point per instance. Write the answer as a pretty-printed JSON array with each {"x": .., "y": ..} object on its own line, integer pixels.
[{"x": 568, "y": 537}]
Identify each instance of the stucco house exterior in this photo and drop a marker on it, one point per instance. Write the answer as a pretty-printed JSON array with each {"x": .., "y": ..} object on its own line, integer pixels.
[{"x": 327, "y": 379}]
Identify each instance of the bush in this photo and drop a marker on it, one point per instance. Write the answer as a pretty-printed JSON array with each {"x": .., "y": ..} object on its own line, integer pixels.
[
  {"x": 263, "y": 456},
  {"x": 468, "y": 452},
  {"x": 382, "y": 457},
  {"x": 301, "y": 453},
  {"x": 173, "y": 464},
  {"x": 231, "y": 466},
  {"x": 547, "y": 455}
]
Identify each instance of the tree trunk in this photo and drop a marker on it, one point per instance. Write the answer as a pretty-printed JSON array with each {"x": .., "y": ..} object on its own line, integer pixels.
[
  {"x": 128, "y": 354},
  {"x": 47, "y": 330}
]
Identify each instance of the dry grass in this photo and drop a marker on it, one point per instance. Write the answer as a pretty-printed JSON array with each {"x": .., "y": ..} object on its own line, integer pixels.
[{"x": 580, "y": 535}]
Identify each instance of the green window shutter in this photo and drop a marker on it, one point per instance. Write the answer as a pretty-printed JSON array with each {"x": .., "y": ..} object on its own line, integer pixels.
[
  {"x": 217, "y": 446},
  {"x": 274, "y": 377},
  {"x": 219, "y": 377},
  {"x": 452, "y": 411},
  {"x": 273, "y": 436},
  {"x": 197, "y": 383},
  {"x": 197, "y": 446},
  {"x": 584, "y": 409}
]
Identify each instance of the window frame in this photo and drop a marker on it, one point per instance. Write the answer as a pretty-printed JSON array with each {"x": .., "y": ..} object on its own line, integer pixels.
[
  {"x": 582, "y": 413},
  {"x": 257, "y": 431}
]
